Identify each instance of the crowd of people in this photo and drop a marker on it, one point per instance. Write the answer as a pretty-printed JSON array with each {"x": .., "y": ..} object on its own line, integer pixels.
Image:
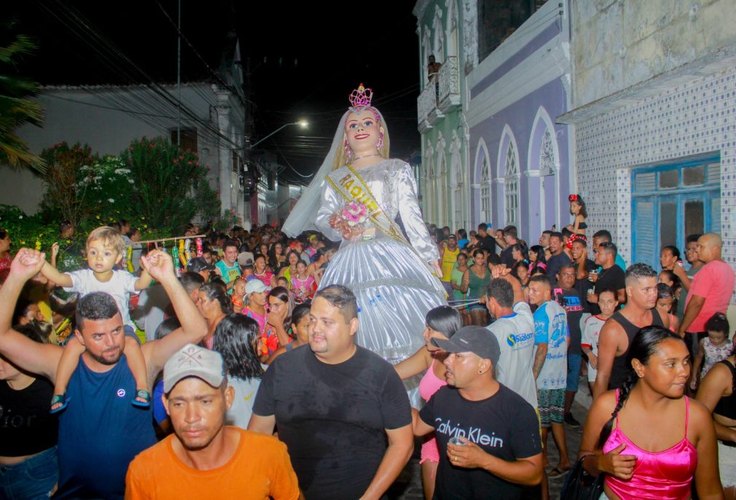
[{"x": 163, "y": 375}]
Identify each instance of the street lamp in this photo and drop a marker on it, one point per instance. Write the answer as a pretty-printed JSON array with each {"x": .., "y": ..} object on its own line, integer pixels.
[{"x": 301, "y": 123}]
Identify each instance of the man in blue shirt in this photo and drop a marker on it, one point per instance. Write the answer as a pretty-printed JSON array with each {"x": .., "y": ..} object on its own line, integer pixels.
[{"x": 100, "y": 432}]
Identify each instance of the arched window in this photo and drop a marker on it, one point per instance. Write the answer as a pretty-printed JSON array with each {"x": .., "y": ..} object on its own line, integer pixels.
[
  {"x": 458, "y": 185},
  {"x": 485, "y": 191},
  {"x": 443, "y": 206},
  {"x": 431, "y": 196},
  {"x": 547, "y": 157},
  {"x": 511, "y": 185}
]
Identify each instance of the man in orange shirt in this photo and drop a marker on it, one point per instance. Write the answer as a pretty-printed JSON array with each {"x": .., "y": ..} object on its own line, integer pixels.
[{"x": 205, "y": 458}]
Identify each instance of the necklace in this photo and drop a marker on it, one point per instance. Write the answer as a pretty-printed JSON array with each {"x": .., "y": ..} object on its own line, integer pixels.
[{"x": 364, "y": 156}]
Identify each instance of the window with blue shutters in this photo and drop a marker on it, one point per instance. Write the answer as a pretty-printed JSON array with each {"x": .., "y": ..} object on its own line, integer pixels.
[{"x": 671, "y": 201}]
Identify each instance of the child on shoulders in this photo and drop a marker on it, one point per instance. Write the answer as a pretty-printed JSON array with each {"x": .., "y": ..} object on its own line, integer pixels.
[{"x": 105, "y": 249}]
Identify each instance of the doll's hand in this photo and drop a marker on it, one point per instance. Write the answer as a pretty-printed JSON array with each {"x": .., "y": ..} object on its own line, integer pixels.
[{"x": 335, "y": 220}]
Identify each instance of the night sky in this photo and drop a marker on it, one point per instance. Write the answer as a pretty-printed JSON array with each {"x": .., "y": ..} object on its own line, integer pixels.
[{"x": 301, "y": 62}]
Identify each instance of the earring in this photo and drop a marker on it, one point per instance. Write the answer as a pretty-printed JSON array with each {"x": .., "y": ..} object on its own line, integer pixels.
[
  {"x": 348, "y": 152},
  {"x": 379, "y": 144}
]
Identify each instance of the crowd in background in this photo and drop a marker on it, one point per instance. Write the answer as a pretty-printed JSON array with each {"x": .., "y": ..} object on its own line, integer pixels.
[{"x": 592, "y": 320}]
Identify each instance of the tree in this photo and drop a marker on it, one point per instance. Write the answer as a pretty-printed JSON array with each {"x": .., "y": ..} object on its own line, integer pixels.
[{"x": 17, "y": 107}]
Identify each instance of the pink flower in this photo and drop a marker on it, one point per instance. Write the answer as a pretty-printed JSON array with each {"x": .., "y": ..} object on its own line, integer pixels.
[{"x": 354, "y": 213}]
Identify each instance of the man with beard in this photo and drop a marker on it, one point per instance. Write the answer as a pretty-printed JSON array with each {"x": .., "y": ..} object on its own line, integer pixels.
[
  {"x": 204, "y": 458},
  {"x": 101, "y": 432},
  {"x": 341, "y": 409}
]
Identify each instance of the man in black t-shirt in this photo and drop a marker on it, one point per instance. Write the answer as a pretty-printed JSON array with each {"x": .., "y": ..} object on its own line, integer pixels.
[
  {"x": 611, "y": 277},
  {"x": 485, "y": 240},
  {"x": 487, "y": 434},
  {"x": 342, "y": 410},
  {"x": 559, "y": 257}
]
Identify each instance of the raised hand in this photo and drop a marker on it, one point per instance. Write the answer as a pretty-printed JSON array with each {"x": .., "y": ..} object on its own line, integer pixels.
[
  {"x": 27, "y": 263},
  {"x": 54, "y": 250},
  {"x": 158, "y": 264}
]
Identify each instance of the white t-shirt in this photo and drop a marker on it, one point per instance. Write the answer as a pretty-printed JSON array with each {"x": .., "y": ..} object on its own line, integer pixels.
[
  {"x": 120, "y": 285},
  {"x": 591, "y": 331},
  {"x": 550, "y": 326},
  {"x": 242, "y": 408},
  {"x": 150, "y": 312},
  {"x": 515, "y": 335}
]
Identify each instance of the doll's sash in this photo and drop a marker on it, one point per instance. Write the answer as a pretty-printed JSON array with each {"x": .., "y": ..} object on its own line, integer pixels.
[{"x": 352, "y": 187}]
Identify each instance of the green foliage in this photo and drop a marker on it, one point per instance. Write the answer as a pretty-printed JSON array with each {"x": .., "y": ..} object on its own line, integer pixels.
[
  {"x": 27, "y": 231},
  {"x": 17, "y": 106},
  {"x": 169, "y": 185},
  {"x": 64, "y": 197},
  {"x": 154, "y": 185}
]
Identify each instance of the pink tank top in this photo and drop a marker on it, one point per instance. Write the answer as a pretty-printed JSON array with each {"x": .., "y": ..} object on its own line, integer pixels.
[
  {"x": 665, "y": 474},
  {"x": 428, "y": 385}
]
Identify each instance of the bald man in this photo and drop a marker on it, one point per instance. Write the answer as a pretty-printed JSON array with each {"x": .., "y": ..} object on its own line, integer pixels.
[{"x": 710, "y": 291}]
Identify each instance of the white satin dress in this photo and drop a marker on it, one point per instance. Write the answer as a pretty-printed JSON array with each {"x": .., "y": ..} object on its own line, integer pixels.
[{"x": 392, "y": 281}]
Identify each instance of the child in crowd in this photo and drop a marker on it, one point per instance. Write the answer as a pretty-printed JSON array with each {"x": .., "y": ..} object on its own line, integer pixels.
[
  {"x": 713, "y": 348},
  {"x": 238, "y": 295},
  {"x": 665, "y": 306},
  {"x": 591, "y": 330},
  {"x": 300, "y": 324},
  {"x": 302, "y": 283},
  {"x": 282, "y": 281},
  {"x": 105, "y": 249},
  {"x": 579, "y": 213}
]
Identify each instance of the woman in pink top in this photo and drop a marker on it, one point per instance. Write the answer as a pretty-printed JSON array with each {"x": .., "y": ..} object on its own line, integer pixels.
[
  {"x": 650, "y": 439},
  {"x": 441, "y": 322},
  {"x": 262, "y": 272}
]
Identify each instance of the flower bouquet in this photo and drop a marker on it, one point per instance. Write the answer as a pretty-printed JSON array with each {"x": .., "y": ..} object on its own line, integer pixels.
[{"x": 355, "y": 214}]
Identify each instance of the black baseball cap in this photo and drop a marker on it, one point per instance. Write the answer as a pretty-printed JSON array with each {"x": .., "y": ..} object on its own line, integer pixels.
[
  {"x": 475, "y": 339},
  {"x": 198, "y": 264}
]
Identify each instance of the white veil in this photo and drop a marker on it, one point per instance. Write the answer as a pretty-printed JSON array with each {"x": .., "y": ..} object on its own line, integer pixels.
[{"x": 304, "y": 213}]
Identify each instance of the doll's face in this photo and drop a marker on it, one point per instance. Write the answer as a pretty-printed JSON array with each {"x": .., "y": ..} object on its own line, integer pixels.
[{"x": 363, "y": 131}]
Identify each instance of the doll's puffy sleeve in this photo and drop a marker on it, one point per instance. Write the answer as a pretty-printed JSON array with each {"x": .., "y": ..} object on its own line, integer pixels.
[
  {"x": 411, "y": 216},
  {"x": 329, "y": 204}
]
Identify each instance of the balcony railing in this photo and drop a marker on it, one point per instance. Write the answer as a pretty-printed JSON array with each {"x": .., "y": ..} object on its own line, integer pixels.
[
  {"x": 449, "y": 85},
  {"x": 440, "y": 95}
]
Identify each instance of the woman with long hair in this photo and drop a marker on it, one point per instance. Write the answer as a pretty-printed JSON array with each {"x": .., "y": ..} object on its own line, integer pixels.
[
  {"x": 278, "y": 321},
  {"x": 289, "y": 270},
  {"x": 519, "y": 252},
  {"x": 648, "y": 438},
  {"x": 537, "y": 259},
  {"x": 475, "y": 284},
  {"x": 277, "y": 257},
  {"x": 236, "y": 339},
  {"x": 441, "y": 322},
  {"x": 579, "y": 213}
]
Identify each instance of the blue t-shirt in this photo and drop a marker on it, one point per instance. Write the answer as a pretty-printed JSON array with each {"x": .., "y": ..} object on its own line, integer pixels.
[
  {"x": 100, "y": 432},
  {"x": 620, "y": 262},
  {"x": 550, "y": 327},
  {"x": 229, "y": 273}
]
